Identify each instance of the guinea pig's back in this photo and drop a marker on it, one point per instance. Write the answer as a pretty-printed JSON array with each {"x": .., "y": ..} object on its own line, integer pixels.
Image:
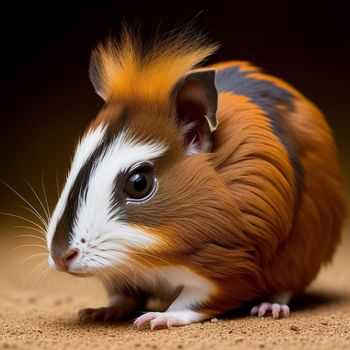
[{"x": 277, "y": 153}]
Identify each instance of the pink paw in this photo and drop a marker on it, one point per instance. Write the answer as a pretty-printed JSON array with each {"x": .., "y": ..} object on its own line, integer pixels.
[
  {"x": 168, "y": 319},
  {"x": 276, "y": 310},
  {"x": 157, "y": 320}
]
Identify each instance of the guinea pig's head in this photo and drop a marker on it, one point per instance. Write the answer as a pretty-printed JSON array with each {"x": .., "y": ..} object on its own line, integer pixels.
[{"x": 140, "y": 185}]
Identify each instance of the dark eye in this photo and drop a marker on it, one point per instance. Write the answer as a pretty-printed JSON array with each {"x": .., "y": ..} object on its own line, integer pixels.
[{"x": 140, "y": 184}]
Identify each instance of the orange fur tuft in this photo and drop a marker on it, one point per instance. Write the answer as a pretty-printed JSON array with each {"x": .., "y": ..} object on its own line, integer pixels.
[{"x": 128, "y": 71}]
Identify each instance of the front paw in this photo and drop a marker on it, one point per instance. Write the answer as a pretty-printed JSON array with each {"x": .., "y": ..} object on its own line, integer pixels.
[
  {"x": 101, "y": 314},
  {"x": 168, "y": 319}
]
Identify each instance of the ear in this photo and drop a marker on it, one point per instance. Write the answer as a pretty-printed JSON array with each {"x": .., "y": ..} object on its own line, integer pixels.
[
  {"x": 95, "y": 76},
  {"x": 196, "y": 102}
]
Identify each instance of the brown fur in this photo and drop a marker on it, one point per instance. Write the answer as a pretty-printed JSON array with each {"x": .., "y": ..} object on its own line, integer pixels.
[{"x": 235, "y": 216}]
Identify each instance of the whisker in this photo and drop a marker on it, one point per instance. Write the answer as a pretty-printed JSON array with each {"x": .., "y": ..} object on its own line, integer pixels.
[
  {"x": 107, "y": 278},
  {"x": 87, "y": 279},
  {"x": 147, "y": 263},
  {"x": 122, "y": 277},
  {"x": 101, "y": 270},
  {"x": 150, "y": 264},
  {"x": 21, "y": 264},
  {"x": 20, "y": 196},
  {"x": 35, "y": 256},
  {"x": 42, "y": 276},
  {"x": 98, "y": 236},
  {"x": 143, "y": 259},
  {"x": 28, "y": 235},
  {"x": 37, "y": 197},
  {"x": 138, "y": 271},
  {"x": 111, "y": 244},
  {"x": 156, "y": 268},
  {"x": 37, "y": 267},
  {"x": 22, "y": 218},
  {"x": 84, "y": 276},
  {"x": 41, "y": 219},
  {"x": 151, "y": 256},
  {"x": 30, "y": 228},
  {"x": 45, "y": 197},
  {"x": 30, "y": 245}
]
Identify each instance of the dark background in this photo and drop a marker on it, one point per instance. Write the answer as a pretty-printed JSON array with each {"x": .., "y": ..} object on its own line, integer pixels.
[{"x": 47, "y": 99}]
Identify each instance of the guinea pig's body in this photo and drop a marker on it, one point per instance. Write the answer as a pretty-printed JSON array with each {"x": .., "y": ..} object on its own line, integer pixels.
[{"x": 197, "y": 190}]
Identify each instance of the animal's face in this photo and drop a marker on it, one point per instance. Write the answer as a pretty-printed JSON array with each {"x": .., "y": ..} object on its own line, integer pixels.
[
  {"x": 114, "y": 167},
  {"x": 139, "y": 181},
  {"x": 130, "y": 191}
]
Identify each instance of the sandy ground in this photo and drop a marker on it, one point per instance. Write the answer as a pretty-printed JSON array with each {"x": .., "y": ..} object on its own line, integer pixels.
[{"x": 39, "y": 312}]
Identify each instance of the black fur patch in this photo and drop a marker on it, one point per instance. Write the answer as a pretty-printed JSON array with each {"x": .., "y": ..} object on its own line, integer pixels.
[{"x": 270, "y": 98}]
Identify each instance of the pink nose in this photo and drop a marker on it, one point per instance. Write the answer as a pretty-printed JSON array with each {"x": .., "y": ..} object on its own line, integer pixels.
[{"x": 64, "y": 260}]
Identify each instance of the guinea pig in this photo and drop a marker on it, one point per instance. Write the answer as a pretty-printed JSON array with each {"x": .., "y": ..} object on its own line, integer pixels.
[{"x": 196, "y": 190}]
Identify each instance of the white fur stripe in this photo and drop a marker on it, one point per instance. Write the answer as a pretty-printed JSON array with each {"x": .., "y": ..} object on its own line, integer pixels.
[
  {"x": 83, "y": 151},
  {"x": 94, "y": 211}
]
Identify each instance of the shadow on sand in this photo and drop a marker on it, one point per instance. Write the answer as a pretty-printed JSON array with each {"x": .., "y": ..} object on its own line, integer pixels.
[{"x": 306, "y": 301}]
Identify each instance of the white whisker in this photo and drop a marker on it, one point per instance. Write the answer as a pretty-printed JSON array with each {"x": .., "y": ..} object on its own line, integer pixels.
[
  {"x": 24, "y": 219},
  {"x": 38, "y": 266},
  {"x": 35, "y": 256},
  {"x": 41, "y": 219},
  {"x": 138, "y": 271},
  {"x": 110, "y": 246},
  {"x": 30, "y": 245},
  {"x": 45, "y": 197},
  {"x": 122, "y": 277},
  {"x": 151, "y": 256},
  {"x": 38, "y": 198},
  {"x": 21, "y": 264},
  {"x": 32, "y": 229},
  {"x": 108, "y": 268},
  {"x": 107, "y": 278},
  {"x": 21, "y": 197},
  {"x": 28, "y": 235},
  {"x": 41, "y": 276}
]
